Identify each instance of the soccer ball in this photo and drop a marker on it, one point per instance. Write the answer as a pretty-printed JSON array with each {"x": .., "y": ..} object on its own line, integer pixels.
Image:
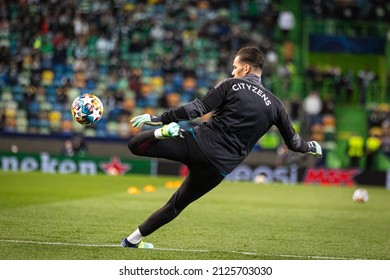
[
  {"x": 87, "y": 109},
  {"x": 360, "y": 195}
]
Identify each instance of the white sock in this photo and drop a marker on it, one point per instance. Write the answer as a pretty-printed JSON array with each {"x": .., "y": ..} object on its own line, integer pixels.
[
  {"x": 158, "y": 134},
  {"x": 135, "y": 237}
]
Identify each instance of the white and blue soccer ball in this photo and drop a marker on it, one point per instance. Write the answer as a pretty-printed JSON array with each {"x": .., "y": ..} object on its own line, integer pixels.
[
  {"x": 87, "y": 109},
  {"x": 360, "y": 195}
]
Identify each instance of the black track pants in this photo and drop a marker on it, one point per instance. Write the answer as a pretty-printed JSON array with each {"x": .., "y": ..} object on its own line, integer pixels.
[{"x": 201, "y": 178}]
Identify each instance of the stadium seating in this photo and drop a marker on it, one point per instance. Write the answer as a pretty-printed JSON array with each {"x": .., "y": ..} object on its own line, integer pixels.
[{"x": 140, "y": 55}]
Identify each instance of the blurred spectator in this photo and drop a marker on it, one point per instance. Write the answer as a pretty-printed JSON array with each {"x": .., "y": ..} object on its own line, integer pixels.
[
  {"x": 336, "y": 76},
  {"x": 81, "y": 26},
  {"x": 2, "y": 119},
  {"x": 283, "y": 156},
  {"x": 355, "y": 150},
  {"x": 286, "y": 23},
  {"x": 351, "y": 10},
  {"x": 348, "y": 84},
  {"x": 68, "y": 150},
  {"x": 372, "y": 147},
  {"x": 288, "y": 51},
  {"x": 79, "y": 145},
  {"x": 5, "y": 55},
  {"x": 60, "y": 48},
  {"x": 36, "y": 70},
  {"x": 62, "y": 95},
  {"x": 135, "y": 79},
  {"x": 386, "y": 136},
  {"x": 328, "y": 106},
  {"x": 295, "y": 106},
  {"x": 171, "y": 100},
  {"x": 147, "y": 97},
  {"x": 366, "y": 76},
  {"x": 376, "y": 117},
  {"x": 269, "y": 17},
  {"x": 312, "y": 106},
  {"x": 13, "y": 73}
]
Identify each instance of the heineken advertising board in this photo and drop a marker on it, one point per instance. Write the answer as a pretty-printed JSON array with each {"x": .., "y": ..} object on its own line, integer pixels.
[{"x": 47, "y": 163}]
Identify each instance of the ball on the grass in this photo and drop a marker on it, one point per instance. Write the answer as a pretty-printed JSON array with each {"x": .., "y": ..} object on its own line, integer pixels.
[{"x": 360, "y": 195}]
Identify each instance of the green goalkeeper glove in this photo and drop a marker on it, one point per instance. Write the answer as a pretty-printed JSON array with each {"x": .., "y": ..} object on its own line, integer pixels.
[
  {"x": 140, "y": 120},
  {"x": 315, "y": 149}
]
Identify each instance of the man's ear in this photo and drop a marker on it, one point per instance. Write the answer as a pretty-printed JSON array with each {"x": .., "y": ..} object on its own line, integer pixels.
[{"x": 247, "y": 68}]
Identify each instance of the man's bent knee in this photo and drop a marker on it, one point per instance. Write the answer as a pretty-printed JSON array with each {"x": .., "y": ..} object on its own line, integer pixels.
[
  {"x": 133, "y": 145},
  {"x": 141, "y": 143}
]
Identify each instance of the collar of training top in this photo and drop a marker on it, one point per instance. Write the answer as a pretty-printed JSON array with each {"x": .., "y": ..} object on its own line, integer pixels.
[{"x": 252, "y": 78}]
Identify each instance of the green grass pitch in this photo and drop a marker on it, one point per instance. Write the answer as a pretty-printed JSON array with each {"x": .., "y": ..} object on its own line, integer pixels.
[{"x": 76, "y": 217}]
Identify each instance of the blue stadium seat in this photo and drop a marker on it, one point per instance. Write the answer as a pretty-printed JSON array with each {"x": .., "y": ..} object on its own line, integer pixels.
[
  {"x": 59, "y": 69},
  {"x": 91, "y": 85},
  {"x": 51, "y": 90},
  {"x": 18, "y": 94},
  {"x": 103, "y": 69},
  {"x": 52, "y": 99},
  {"x": 68, "y": 69},
  {"x": 33, "y": 122},
  {"x": 56, "y": 107},
  {"x": 33, "y": 108},
  {"x": 66, "y": 114}
]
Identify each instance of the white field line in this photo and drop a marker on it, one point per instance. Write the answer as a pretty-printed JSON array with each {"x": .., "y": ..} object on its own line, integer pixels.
[{"x": 179, "y": 250}]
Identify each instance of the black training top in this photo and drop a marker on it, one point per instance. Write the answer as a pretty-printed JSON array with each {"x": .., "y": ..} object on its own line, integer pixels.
[{"x": 243, "y": 111}]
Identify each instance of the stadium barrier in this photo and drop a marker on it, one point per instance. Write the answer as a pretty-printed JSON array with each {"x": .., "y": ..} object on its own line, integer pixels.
[
  {"x": 292, "y": 174},
  {"x": 49, "y": 163}
]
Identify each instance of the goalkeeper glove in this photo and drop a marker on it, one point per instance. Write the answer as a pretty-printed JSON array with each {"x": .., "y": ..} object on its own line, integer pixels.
[
  {"x": 140, "y": 120},
  {"x": 315, "y": 149}
]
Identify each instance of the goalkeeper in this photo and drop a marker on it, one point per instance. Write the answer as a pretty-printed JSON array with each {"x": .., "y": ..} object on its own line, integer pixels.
[{"x": 243, "y": 110}]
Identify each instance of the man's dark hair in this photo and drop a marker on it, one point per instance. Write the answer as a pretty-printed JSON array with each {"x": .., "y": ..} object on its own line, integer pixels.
[{"x": 252, "y": 56}]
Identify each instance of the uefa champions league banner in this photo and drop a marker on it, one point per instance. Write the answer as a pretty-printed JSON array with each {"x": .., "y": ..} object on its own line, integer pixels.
[
  {"x": 47, "y": 163},
  {"x": 344, "y": 44}
]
